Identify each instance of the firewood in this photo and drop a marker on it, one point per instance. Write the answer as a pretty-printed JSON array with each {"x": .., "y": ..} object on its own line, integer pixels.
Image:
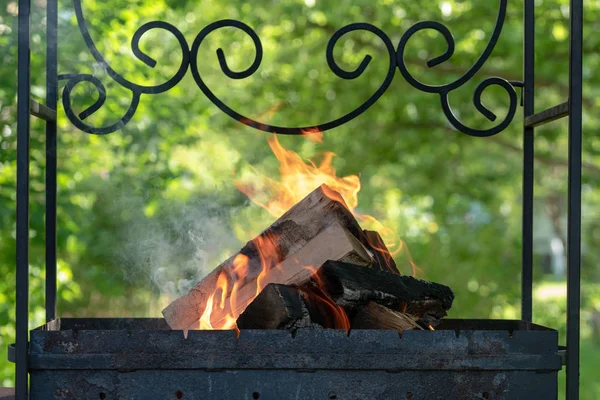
[
  {"x": 376, "y": 316},
  {"x": 352, "y": 286},
  {"x": 334, "y": 243},
  {"x": 291, "y": 232},
  {"x": 277, "y": 307}
]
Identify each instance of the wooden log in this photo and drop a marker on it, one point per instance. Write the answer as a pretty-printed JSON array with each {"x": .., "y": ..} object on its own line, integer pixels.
[
  {"x": 292, "y": 308},
  {"x": 277, "y": 307},
  {"x": 352, "y": 286},
  {"x": 376, "y": 316},
  {"x": 334, "y": 243},
  {"x": 291, "y": 232}
]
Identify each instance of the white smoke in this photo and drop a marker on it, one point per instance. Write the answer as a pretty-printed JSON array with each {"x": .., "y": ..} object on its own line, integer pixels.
[{"x": 177, "y": 248}]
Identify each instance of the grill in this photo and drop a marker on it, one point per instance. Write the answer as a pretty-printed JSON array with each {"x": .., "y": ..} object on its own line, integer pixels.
[{"x": 142, "y": 358}]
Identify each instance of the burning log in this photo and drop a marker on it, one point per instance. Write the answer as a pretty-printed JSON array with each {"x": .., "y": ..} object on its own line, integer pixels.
[
  {"x": 376, "y": 316},
  {"x": 280, "y": 244},
  {"x": 351, "y": 286},
  {"x": 276, "y": 307},
  {"x": 333, "y": 243},
  {"x": 343, "y": 295},
  {"x": 292, "y": 308}
]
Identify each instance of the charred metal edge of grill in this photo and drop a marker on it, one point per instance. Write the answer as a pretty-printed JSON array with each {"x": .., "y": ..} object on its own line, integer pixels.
[
  {"x": 308, "y": 362},
  {"x": 133, "y": 324},
  {"x": 189, "y": 59},
  {"x": 143, "y": 347}
]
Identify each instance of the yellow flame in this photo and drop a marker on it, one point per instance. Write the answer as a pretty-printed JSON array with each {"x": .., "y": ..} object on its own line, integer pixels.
[
  {"x": 205, "y": 319},
  {"x": 297, "y": 180}
]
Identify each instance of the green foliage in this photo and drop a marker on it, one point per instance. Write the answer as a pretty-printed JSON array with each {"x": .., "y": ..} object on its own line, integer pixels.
[{"x": 145, "y": 211}]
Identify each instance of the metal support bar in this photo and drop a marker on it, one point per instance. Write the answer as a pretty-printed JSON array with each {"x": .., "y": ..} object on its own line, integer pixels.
[
  {"x": 41, "y": 111},
  {"x": 549, "y": 115},
  {"x": 22, "y": 308},
  {"x": 574, "y": 202},
  {"x": 11, "y": 355},
  {"x": 562, "y": 352},
  {"x": 528, "y": 162},
  {"x": 51, "y": 101}
]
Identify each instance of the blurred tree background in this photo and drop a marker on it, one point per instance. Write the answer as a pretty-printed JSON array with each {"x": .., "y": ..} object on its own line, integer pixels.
[{"x": 146, "y": 211}]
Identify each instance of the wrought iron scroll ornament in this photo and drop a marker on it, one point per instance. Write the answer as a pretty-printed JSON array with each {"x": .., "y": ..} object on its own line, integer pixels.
[{"x": 190, "y": 58}]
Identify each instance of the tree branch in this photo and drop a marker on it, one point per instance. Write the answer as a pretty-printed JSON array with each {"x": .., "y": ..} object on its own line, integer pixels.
[{"x": 590, "y": 168}]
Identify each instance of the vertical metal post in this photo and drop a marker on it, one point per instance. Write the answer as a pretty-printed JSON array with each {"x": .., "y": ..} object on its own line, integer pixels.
[
  {"x": 22, "y": 309},
  {"x": 574, "y": 202},
  {"x": 528, "y": 154},
  {"x": 51, "y": 102}
]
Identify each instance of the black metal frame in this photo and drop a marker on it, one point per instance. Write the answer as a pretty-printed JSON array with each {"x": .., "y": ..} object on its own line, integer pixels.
[{"x": 25, "y": 107}]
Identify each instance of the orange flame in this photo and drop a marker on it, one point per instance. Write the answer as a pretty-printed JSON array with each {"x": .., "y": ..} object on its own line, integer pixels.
[
  {"x": 205, "y": 319},
  {"x": 239, "y": 271},
  {"x": 213, "y": 310},
  {"x": 313, "y": 135},
  {"x": 269, "y": 255},
  {"x": 334, "y": 315},
  {"x": 298, "y": 179}
]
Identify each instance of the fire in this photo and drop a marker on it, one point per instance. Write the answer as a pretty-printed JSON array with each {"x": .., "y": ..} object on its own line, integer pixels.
[
  {"x": 337, "y": 317},
  {"x": 320, "y": 300},
  {"x": 240, "y": 268},
  {"x": 222, "y": 314},
  {"x": 268, "y": 253},
  {"x": 313, "y": 135},
  {"x": 207, "y": 318},
  {"x": 298, "y": 178}
]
